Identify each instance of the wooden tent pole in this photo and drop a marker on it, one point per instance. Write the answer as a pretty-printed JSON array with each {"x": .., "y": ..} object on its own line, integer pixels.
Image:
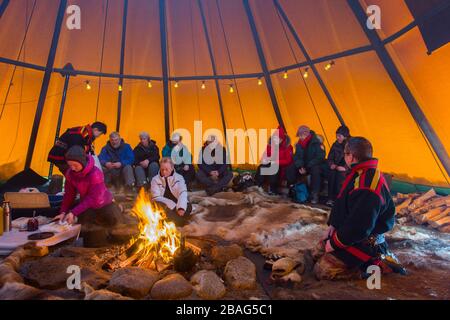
[
  {"x": 122, "y": 63},
  {"x": 45, "y": 82},
  {"x": 309, "y": 61},
  {"x": 164, "y": 64},
  {"x": 263, "y": 63},
  {"x": 61, "y": 109},
  {"x": 400, "y": 84}
]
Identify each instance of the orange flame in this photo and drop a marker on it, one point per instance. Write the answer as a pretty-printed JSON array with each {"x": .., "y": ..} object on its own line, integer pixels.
[{"x": 160, "y": 238}]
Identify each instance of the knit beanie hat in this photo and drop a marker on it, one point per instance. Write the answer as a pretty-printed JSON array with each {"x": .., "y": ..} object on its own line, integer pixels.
[
  {"x": 302, "y": 130},
  {"x": 77, "y": 154},
  {"x": 345, "y": 131}
]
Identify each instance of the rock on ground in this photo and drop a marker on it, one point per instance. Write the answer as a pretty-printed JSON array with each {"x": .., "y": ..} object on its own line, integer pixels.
[
  {"x": 240, "y": 273},
  {"x": 208, "y": 285},
  {"x": 172, "y": 287},
  {"x": 8, "y": 274},
  {"x": 51, "y": 272},
  {"x": 133, "y": 282},
  {"x": 222, "y": 254},
  {"x": 20, "y": 291},
  {"x": 92, "y": 294}
]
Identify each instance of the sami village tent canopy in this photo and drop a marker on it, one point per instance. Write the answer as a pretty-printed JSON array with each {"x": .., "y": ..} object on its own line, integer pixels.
[{"x": 288, "y": 62}]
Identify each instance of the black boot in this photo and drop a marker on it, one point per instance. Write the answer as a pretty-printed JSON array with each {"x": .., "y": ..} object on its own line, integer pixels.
[{"x": 315, "y": 198}]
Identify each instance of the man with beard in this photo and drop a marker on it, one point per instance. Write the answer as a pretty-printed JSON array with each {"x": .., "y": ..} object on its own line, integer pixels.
[{"x": 117, "y": 159}]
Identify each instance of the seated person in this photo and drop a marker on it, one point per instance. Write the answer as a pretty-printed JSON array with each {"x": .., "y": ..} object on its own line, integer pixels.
[
  {"x": 78, "y": 136},
  {"x": 168, "y": 188},
  {"x": 96, "y": 202},
  {"x": 364, "y": 211},
  {"x": 282, "y": 144},
  {"x": 309, "y": 158},
  {"x": 337, "y": 168},
  {"x": 117, "y": 158},
  {"x": 181, "y": 157},
  {"x": 214, "y": 172},
  {"x": 146, "y": 160}
]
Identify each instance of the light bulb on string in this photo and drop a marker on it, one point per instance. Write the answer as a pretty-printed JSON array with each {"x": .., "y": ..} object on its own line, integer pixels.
[
  {"x": 88, "y": 85},
  {"x": 329, "y": 65},
  {"x": 120, "y": 88},
  {"x": 285, "y": 75},
  {"x": 149, "y": 84},
  {"x": 176, "y": 85},
  {"x": 203, "y": 85},
  {"x": 231, "y": 88},
  {"x": 306, "y": 73},
  {"x": 260, "y": 82}
]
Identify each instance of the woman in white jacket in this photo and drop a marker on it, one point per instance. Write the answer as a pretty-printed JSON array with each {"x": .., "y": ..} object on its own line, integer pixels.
[{"x": 169, "y": 189}]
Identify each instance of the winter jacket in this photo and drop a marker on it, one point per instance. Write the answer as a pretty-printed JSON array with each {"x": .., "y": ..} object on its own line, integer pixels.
[
  {"x": 285, "y": 152},
  {"x": 123, "y": 154},
  {"x": 78, "y": 136},
  {"x": 363, "y": 208},
  {"x": 207, "y": 167},
  {"x": 311, "y": 155},
  {"x": 181, "y": 157},
  {"x": 89, "y": 183},
  {"x": 150, "y": 153},
  {"x": 177, "y": 187},
  {"x": 336, "y": 155}
]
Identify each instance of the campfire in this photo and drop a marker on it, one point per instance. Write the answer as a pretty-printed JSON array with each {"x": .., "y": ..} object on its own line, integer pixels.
[{"x": 158, "y": 239}]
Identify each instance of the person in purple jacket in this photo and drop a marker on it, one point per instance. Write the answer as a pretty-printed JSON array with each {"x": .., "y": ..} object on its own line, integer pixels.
[{"x": 96, "y": 203}]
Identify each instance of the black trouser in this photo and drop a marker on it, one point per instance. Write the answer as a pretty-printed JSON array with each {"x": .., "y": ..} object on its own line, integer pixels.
[
  {"x": 189, "y": 175},
  {"x": 172, "y": 215},
  {"x": 96, "y": 225},
  {"x": 316, "y": 172},
  {"x": 335, "y": 181},
  {"x": 273, "y": 180},
  {"x": 214, "y": 186},
  {"x": 106, "y": 216},
  {"x": 354, "y": 256}
]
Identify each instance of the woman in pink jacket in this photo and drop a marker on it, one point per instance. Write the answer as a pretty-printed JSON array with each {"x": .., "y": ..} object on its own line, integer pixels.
[{"x": 96, "y": 201}]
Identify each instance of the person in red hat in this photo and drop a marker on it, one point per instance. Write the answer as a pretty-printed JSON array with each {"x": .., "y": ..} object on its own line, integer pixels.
[{"x": 281, "y": 143}]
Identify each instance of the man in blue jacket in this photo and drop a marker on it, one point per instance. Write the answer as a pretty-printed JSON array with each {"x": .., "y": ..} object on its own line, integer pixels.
[
  {"x": 214, "y": 172},
  {"x": 363, "y": 212},
  {"x": 117, "y": 159}
]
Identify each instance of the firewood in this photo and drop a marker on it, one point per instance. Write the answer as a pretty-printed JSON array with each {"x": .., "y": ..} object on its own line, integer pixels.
[
  {"x": 438, "y": 217},
  {"x": 423, "y": 218},
  {"x": 439, "y": 201},
  {"x": 440, "y": 223},
  {"x": 445, "y": 229},
  {"x": 422, "y": 199},
  {"x": 403, "y": 205}
]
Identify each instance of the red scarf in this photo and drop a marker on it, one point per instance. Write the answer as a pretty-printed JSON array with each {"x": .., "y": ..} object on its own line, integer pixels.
[{"x": 305, "y": 142}]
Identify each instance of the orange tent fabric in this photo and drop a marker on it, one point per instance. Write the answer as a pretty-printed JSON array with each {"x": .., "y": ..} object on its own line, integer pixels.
[{"x": 361, "y": 88}]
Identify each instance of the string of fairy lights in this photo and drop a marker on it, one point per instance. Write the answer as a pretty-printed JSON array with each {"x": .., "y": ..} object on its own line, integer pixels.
[
  {"x": 231, "y": 88},
  {"x": 88, "y": 84}
]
